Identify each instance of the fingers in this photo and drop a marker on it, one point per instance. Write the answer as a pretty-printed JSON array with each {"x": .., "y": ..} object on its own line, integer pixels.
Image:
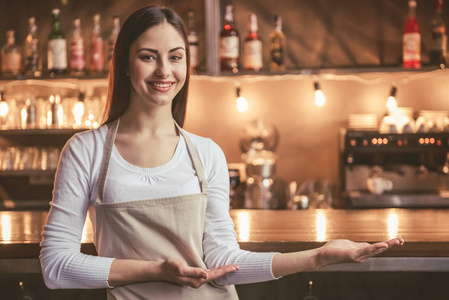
[
  {"x": 194, "y": 272},
  {"x": 395, "y": 241},
  {"x": 211, "y": 274},
  {"x": 208, "y": 274},
  {"x": 377, "y": 248}
]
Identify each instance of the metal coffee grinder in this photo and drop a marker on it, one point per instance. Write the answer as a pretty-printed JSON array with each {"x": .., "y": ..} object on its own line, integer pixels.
[{"x": 258, "y": 142}]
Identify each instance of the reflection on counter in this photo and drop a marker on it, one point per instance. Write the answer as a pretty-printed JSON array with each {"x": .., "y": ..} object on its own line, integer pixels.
[
  {"x": 393, "y": 223},
  {"x": 6, "y": 228},
  {"x": 27, "y": 225},
  {"x": 320, "y": 227}
]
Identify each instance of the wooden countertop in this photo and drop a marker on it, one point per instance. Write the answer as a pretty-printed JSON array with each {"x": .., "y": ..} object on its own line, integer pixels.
[{"x": 426, "y": 231}]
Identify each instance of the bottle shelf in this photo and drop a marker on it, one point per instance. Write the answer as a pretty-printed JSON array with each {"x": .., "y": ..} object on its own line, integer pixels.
[
  {"x": 349, "y": 70},
  {"x": 51, "y": 131},
  {"x": 52, "y": 77}
]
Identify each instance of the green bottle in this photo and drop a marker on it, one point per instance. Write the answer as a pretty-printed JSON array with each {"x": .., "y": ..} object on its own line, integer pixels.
[{"x": 57, "y": 46}]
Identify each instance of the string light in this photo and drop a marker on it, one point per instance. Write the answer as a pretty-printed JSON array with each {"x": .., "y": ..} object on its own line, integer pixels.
[
  {"x": 320, "y": 98},
  {"x": 392, "y": 105},
  {"x": 242, "y": 104}
]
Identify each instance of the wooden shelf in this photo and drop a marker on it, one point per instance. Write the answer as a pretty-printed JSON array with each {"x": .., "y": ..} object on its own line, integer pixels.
[{"x": 24, "y": 132}]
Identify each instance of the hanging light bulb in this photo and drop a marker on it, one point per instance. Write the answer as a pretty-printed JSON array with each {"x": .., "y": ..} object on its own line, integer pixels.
[
  {"x": 242, "y": 104},
  {"x": 391, "y": 102},
  {"x": 320, "y": 98},
  {"x": 4, "y": 109}
]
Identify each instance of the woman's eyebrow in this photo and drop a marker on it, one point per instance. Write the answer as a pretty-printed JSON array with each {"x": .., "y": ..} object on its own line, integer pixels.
[{"x": 157, "y": 52}]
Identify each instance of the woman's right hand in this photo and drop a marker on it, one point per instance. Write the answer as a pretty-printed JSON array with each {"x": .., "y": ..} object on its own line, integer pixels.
[{"x": 177, "y": 271}]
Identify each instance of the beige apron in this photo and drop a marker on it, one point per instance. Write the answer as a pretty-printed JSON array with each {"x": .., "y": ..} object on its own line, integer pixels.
[{"x": 155, "y": 230}]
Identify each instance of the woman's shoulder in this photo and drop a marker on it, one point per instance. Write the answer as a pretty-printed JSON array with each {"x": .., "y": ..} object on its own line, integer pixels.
[
  {"x": 206, "y": 147},
  {"x": 89, "y": 139},
  {"x": 201, "y": 142}
]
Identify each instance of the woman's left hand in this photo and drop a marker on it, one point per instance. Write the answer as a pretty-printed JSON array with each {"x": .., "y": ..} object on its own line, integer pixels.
[{"x": 341, "y": 251}]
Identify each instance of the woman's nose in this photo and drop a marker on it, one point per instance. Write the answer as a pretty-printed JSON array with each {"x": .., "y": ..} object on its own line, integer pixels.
[{"x": 162, "y": 70}]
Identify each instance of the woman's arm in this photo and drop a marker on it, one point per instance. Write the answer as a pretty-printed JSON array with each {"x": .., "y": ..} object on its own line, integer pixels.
[
  {"x": 333, "y": 252},
  {"x": 124, "y": 271},
  {"x": 221, "y": 247},
  {"x": 63, "y": 265}
]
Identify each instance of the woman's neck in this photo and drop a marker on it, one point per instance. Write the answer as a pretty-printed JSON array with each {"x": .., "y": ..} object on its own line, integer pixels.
[{"x": 148, "y": 122}]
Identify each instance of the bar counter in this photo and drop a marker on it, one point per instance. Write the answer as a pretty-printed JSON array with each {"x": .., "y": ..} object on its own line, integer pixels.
[{"x": 426, "y": 234}]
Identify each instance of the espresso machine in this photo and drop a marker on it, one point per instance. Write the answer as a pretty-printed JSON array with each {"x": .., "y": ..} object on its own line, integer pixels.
[{"x": 380, "y": 170}]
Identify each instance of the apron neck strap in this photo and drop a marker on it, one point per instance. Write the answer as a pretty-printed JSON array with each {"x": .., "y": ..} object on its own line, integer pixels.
[
  {"x": 109, "y": 144},
  {"x": 107, "y": 150},
  {"x": 195, "y": 158}
]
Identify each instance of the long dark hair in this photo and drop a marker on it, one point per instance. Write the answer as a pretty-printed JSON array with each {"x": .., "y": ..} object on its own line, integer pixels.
[{"x": 119, "y": 83}]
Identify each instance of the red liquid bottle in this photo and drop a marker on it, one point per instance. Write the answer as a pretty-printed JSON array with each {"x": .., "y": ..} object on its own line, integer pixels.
[
  {"x": 229, "y": 43},
  {"x": 411, "y": 51}
]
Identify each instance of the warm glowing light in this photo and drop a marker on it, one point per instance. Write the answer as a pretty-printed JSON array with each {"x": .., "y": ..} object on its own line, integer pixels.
[
  {"x": 392, "y": 105},
  {"x": 27, "y": 224},
  {"x": 60, "y": 116},
  {"x": 320, "y": 99},
  {"x": 6, "y": 228},
  {"x": 95, "y": 125},
  {"x": 374, "y": 141},
  {"x": 84, "y": 235},
  {"x": 393, "y": 225},
  {"x": 267, "y": 182},
  {"x": 320, "y": 227},
  {"x": 421, "y": 141},
  {"x": 242, "y": 104},
  {"x": 243, "y": 226},
  {"x": 4, "y": 109},
  {"x": 23, "y": 112},
  {"x": 78, "y": 112}
]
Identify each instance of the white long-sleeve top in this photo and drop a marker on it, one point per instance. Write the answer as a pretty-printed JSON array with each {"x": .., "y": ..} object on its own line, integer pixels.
[{"x": 75, "y": 193}]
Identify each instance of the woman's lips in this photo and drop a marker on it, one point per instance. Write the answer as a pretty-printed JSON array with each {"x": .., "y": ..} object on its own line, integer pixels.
[{"x": 161, "y": 86}]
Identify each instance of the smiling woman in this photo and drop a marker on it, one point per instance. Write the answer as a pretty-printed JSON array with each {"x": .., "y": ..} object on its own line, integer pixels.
[
  {"x": 157, "y": 68},
  {"x": 158, "y": 196}
]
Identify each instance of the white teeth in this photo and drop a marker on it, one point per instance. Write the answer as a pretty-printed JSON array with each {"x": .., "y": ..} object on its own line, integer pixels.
[{"x": 162, "y": 85}]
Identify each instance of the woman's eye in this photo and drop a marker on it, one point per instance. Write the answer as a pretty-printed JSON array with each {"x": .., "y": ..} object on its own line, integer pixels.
[
  {"x": 176, "y": 57},
  {"x": 147, "y": 57}
]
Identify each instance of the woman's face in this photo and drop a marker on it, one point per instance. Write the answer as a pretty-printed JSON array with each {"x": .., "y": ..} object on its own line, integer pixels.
[{"x": 157, "y": 65}]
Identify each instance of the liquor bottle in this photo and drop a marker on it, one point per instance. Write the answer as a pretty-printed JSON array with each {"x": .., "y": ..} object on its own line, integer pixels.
[
  {"x": 252, "y": 53},
  {"x": 77, "y": 58},
  {"x": 31, "y": 66},
  {"x": 439, "y": 38},
  {"x": 11, "y": 55},
  {"x": 277, "y": 46},
  {"x": 112, "y": 39},
  {"x": 57, "y": 46},
  {"x": 229, "y": 43},
  {"x": 96, "y": 48},
  {"x": 411, "y": 53},
  {"x": 193, "y": 41}
]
